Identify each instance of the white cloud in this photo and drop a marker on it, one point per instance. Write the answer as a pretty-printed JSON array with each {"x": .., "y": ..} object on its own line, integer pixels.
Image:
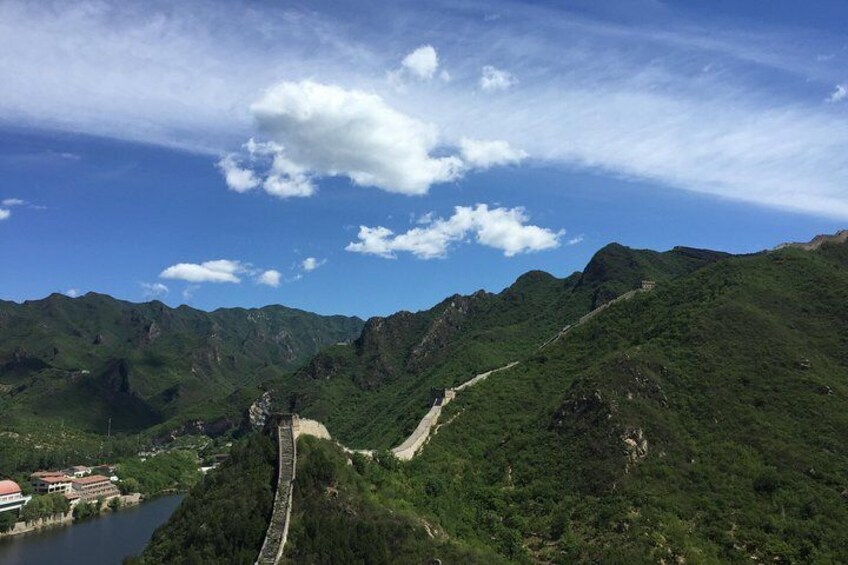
[
  {"x": 422, "y": 62},
  {"x": 311, "y": 263},
  {"x": 575, "y": 240},
  {"x": 219, "y": 271},
  {"x": 616, "y": 98},
  {"x": 493, "y": 78},
  {"x": 72, "y": 292},
  {"x": 839, "y": 94},
  {"x": 500, "y": 228},
  {"x": 4, "y": 214},
  {"x": 319, "y": 130},
  {"x": 238, "y": 178},
  {"x": 269, "y": 278},
  {"x": 188, "y": 292},
  {"x": 486, "y": 154},
  {"x": 13, "y": 202},
  {"x": 151, "y": 290},
  {"x": 326, "y": 130}
]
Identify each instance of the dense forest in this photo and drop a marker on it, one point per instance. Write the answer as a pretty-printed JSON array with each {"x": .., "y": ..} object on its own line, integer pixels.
[{"x": 224, "y": 518}]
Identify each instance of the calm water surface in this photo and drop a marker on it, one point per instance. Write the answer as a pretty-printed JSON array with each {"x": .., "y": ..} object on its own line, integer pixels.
[{"x": 105, "y": 540}]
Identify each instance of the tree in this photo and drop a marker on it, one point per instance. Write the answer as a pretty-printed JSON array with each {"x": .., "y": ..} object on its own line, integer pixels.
[{"x": 7, "y": 521}]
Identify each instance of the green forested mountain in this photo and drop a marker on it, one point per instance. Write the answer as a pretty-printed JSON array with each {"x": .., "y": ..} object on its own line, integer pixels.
[
  {"x": 81, "y": 361},
  {"x": 372, "y": 392},
  {"x": 702, "y": 422}
]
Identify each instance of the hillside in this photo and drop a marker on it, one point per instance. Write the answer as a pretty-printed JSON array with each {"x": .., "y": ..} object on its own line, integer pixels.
[
  {"x": 372, "y": 392},
  {"x": 81, "y": 361},
  {"x": 702, "y": 422}
]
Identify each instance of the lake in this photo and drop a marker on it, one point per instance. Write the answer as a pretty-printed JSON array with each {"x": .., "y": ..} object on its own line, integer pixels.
[{"x": 105, "y": 540}]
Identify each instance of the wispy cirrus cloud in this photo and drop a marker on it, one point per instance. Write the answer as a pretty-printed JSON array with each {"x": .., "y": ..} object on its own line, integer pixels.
[
  {"x": 217, "y": 271},
  {"x": 493, "y": 79},
  {"x": 153, "y": 290},
  {"x": 621, "y": 95},
  {"x": 839, "y": 93}
]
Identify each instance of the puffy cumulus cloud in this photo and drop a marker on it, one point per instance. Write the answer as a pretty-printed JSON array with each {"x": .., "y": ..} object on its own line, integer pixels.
[
  {"x": 270, "y": 278},
  {"x": 311, "y": 263},
  {"x": 4, "y": 214},
  {"x": 72, "y": 292},
  {"x": 330, "y": 131},
  {"x": 500, "y": 228},
  {"x": 422, "y": 62},
  {"x": 238, "y": 178},
  {"x": 493, "y": 78},
  {"x": 839, "y": 94},
  {"x": 486, "y": 154},
  {"x": 152, "y": 290},
  {"x": 218, "y": 271},
  {"x": 319, "y": 130}
]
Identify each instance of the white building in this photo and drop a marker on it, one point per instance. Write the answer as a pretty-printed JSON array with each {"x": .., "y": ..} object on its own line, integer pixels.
[
  {"x": 11, "y": 497},
  {"x": 48, "y": 482}
]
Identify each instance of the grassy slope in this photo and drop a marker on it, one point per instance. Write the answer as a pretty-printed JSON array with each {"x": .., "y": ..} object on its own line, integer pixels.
[
  {"x": 81, "y": 361},
  {"x": 735, "y": 374}
]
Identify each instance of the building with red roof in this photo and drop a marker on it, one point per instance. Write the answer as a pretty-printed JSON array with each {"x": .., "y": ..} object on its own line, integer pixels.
[
  {"x": 48, "y": 482},
  {"x": 93, "y": 487},
  {"x": 11, "y": 497}
]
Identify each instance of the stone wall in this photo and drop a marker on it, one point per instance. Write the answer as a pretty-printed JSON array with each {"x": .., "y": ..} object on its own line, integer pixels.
[
  {"x": 41, "y": 523},
  {"x": 305, "y": 427}
]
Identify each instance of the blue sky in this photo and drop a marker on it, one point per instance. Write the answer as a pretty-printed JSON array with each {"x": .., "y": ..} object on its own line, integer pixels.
[{"x": 360, "y": 159}]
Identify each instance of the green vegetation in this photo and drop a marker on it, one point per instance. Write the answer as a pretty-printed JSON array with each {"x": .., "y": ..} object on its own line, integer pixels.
[
  {"x": 336, "y": 519},
  {"x": 372, "y": 393},
  {"x": 7, "y": 521},
  {"x": 44, "y": 506},
  {"x": 224, "y": 518},
  {"x": 78, "y": 363},
  {"x": 85, "y": 510},
  {"x": 735, "y": 378},
  {"x": 38, "y": 448},
  {"x": 172, "y": 471},
  {"x": 702, "y": 422}
]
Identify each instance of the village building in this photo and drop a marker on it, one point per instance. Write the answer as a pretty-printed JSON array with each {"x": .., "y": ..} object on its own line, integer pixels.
[
  {"x": 93, "y": 487},
  {"x": 49, "y": 482},
  {"x": 11, "y": 497},
  {"x": 77, "y": 471},
  {"x": 104, "y": 469},
  {"x": 648, "y": 285}
]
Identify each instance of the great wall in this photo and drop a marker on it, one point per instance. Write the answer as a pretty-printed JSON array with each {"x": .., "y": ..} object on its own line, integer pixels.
[{"x": 289, "y": 427}]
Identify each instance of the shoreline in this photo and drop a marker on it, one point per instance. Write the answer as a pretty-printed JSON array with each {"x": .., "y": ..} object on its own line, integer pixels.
[{"x": 67, "y": 519}]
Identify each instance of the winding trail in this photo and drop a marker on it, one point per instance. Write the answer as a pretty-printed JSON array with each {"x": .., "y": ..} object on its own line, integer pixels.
[{"x": 290, "y": 427}]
